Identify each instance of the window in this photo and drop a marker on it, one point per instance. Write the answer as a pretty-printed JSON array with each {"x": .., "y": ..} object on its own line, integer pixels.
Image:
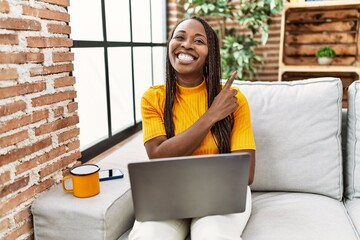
[{"x": 120, "y": 49}]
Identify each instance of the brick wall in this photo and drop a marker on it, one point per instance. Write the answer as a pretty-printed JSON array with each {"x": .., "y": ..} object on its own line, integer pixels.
[
  {"x": 38, "y": 132},
  {"x": 269, "y": 52}
]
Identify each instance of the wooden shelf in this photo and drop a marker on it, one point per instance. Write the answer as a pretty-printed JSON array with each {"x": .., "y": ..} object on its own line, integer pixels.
[
  {"x": 308, "y": 26},
  {"x": 328, "y": 68},
  {"x": 321, "y": 4}
]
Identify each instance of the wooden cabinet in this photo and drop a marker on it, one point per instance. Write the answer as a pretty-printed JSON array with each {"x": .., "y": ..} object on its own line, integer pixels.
[{"x": 307, "y": 26}]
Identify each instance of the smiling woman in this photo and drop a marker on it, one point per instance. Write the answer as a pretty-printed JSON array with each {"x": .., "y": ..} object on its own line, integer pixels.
[{"x": 193, "y": 114}]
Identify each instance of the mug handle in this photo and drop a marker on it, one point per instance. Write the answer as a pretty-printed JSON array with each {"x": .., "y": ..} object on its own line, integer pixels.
[{"x": 63, "y": 184}]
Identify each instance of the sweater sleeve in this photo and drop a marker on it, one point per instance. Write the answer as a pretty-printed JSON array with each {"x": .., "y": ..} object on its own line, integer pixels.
[
  {"x": 242, "y": 136},
  {"x": 152, "y": 103}
]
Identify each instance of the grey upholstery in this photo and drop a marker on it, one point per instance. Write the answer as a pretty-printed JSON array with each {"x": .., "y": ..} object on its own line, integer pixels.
[
  {"x": 352, "y": 165},
  {"x": 353, "y": 208},
  {"x": 59, "y": 215},
  {"x": 298, "y": 188},
  {"x": 297, "y": 129},
  {"x": 297, "y": 216}
]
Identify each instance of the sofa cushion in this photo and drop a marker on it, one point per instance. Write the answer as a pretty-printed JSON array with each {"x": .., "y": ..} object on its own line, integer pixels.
[
  {"x": 353, "y": 208},
  {"x": 297, "y": 128},
  {"x": 297, "y": 216},
  {"x": 352, "y": 164}
]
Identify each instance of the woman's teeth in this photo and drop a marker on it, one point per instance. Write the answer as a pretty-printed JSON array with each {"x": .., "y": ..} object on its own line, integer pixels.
[{"x": 185, "y": 57}]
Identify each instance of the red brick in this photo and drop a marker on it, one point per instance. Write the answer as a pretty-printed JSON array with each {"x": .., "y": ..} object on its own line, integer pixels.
[
  {"x": 35, "y": 57},
  {"x": 46, "y": 157},
  {"x": 51, "y": 70},
  {"x": 21, "y": 89},
  {"x": 57, "y": 28},
  {"x": 64, "y": 81},
  {"x": 4, "y": 177},
  {"x": 62, "y": 137},
  {"x": 11, "y": 39},
  {"x": 11, "y": 108},
  {"x": 8, "y": 74},
  {"x": 14, "y": 138},
  {"x": 13, "y": 187},
  {"x": 72, "y": 107},
  {"x": 4, "y": 224},
  {"x": 66, "y": 171},
  {"x": 23, "y": 120},
  {"x": 46, "y": 42},
  {"x": 4, "y": 7},
  {"x": 19, "y": 230},
  {"x": 63, "y": 56},
  {"x": 23, "y": 214},
  {"x": 60, "y": 164},
  {"x": 265, "y": 49},
  {"x": 20, "y": 24},
  {"x": 30, "y": 237},
  {"x": 271, "y": 61},
  {"x": 19, "y": 153},
  {"x": 12, "y": 58},
  {"x": 53, "y": 98},
  {"x": 73, "y": 145},
  {"x": 46, "y": 14},
  {"x": 57, "y": 125},
  {"x": 64, "y": 3},
  {"x": 58, "y": 111},
  {"x": 16, "y": 200}
]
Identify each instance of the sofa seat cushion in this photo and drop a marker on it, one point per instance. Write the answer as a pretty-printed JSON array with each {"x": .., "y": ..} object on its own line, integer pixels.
[
  {"x": 284, "y": 216},
  {"x": 353, "y": 208},
  {"x": 352, "y": 164},
  {"x": 297, "y": 216},
  {"x": 297, "y": 130}
]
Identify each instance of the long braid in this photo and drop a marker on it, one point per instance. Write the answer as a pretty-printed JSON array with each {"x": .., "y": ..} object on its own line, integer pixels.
[
  {"x": 221, "y": 130},
  {"x": 169, "y": 99}
]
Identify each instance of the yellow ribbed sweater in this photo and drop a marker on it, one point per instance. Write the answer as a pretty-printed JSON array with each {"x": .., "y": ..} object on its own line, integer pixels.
[{"x": 189, "y": 105}]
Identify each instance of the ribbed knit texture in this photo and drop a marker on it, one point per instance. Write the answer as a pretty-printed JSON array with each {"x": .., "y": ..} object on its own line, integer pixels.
[{"x": 189, "y": 105}]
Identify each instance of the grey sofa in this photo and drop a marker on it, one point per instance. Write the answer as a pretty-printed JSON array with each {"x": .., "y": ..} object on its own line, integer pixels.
[{"x": 307, "y": 178}]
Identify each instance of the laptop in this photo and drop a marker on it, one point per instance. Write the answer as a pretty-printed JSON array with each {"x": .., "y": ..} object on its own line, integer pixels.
[{"x": 189, "y": 187}]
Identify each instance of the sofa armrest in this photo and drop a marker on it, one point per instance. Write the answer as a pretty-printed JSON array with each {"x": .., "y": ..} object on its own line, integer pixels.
[{"x": 60, "y": 215}]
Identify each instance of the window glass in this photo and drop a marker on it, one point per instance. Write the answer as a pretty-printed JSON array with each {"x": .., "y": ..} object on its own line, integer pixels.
[
  {"x": 158, "y": 18},
  {"x": 135, "y": 44},
  {"x": 141, "y": 27},
  {"x": 159, "y": 61},
  {"x": 121, "y": 90},
  {"x": 88, "y": 26},
  {"x": 117, "y": 20},
  {"x": 91, "y": 95},
  {"x": 143, "y": 75}
]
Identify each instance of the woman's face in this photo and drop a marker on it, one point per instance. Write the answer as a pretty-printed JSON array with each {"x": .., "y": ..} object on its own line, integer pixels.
[{"x": 188, "y": 49}]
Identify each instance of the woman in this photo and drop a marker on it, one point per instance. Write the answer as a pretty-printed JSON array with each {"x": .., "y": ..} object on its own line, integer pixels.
[{"x": 191, "y": 115}]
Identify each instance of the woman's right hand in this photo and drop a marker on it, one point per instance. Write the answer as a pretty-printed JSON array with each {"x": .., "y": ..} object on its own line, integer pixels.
[{"x": 225, "y": 102}]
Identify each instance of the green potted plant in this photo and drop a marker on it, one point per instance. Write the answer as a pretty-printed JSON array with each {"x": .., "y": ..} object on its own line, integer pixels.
[
  {"x": 253, "y": 17},
  {"x": 325, "y": 55}
]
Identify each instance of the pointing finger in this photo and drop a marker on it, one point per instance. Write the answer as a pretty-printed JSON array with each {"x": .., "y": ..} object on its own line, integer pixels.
[{"x": 231, "y": 79}]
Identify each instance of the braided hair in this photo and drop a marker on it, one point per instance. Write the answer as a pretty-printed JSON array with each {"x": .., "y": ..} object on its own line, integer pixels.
[{"x": 221, "y": 130}]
